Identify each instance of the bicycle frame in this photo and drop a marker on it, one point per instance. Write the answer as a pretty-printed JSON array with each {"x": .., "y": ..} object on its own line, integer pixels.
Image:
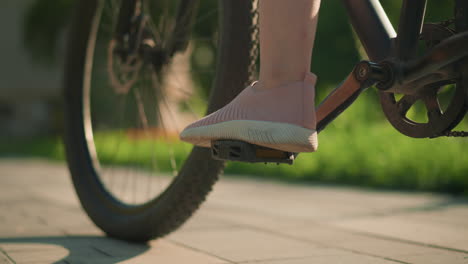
[
  {"x": 376, "y": 32},
  {"x": 379, "y": 40},
  {"x": 394, "y": 53},
  {"x": 377, "y": 36},
  {"x": 372, "y": 26}
]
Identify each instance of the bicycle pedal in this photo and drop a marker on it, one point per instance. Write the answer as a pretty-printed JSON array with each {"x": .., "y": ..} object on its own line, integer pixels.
[{"x": 235, "y": 150}]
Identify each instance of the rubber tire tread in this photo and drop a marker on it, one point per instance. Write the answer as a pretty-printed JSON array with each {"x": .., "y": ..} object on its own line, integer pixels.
[{"x": 182, "y": 198}]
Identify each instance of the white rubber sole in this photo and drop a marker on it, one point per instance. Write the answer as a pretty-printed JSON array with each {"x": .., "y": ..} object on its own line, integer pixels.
[{"x": 281, "y": 136}]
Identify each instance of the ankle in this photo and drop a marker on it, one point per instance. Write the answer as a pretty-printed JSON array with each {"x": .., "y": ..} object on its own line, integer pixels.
[
  {"x": 281, "y": 80},
  {"x": 271, "y": 78}
]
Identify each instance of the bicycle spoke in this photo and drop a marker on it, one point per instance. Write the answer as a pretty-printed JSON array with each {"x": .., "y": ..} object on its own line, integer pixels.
[
  {"x": 179, "y": 86},
  {"x": 205, "y": 16},
  {"x": 113, "y": 158},
  {"x": 171, "y": 150},
  {"x": 152, "y": 101},
  {"x": 134, "y": 123},
  {"x": 162, "y": 28},
  {"x": 143, "y": 121},
  {"x": 161, "y": 119},
  {"x": 141, "y": 110}
]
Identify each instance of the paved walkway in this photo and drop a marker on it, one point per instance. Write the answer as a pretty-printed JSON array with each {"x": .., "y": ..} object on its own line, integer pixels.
[{"x": 242, "y": 222}]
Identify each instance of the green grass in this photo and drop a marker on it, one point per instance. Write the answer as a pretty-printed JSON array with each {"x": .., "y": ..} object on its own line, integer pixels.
[
  {"x": 356, "y": 151},
  {"x": 353, "y": 150},
  {"x": 377, "y": 157},
  {"x": 41, "y": 147}
]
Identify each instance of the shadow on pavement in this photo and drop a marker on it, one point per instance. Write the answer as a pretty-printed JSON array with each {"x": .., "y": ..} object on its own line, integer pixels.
[{"x": 70, "y": 249}]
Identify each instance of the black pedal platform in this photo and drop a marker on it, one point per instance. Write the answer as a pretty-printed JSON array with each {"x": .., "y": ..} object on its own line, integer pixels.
[{"x": 235, "y": 150}]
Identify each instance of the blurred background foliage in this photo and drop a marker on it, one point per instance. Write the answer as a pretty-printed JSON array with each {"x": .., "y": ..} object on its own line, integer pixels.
[
  {"x": 360, "y": 147},
  {"x": 44, "y": 25},
  {"x": 336, "y": 48}
]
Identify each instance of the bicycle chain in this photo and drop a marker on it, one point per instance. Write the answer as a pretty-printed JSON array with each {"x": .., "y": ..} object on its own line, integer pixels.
[
  {"x": 447, "y": 23},
  {"x": 456, "y": 134}
]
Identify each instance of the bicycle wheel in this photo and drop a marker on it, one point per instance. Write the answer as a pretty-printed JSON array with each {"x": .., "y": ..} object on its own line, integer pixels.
[{"x": 120, "y": 143}]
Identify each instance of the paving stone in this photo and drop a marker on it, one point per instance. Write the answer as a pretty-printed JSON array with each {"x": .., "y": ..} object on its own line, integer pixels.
[
  {"x": 163, "y": 251},
  {"x": 252, "y": 218},
  {"x": 243, "y": 221},
  {"x": 454, "y": 215},
  {"x": 332, "y": 259},
  {"x": 4, "y": 259},
  {"x": 118, "y": 248},
  {"x": 311, "y": 202},
  {"x": 82, "y": 230},
  {"x": 48, "y": 254},
  {"x": 79, "y": 248},
  {"x": 367, "y": 244},
  {"x": 204, "y": 219},
  {"x": 22, "y": 230},
  {"x": 414, "y": 229},
  {"x": 436, "y": 258},
  {"x": 241, "y": 244},
  {"x": 20, "y": 245}
]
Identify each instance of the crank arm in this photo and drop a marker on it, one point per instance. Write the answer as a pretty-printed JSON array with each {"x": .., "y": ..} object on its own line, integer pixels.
[{"x": 364, "y": 75}]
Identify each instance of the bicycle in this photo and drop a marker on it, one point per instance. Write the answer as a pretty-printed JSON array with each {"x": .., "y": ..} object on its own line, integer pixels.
[{"x": 137, "y": 53}]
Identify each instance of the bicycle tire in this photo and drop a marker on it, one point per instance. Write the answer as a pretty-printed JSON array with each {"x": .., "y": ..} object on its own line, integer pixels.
[{"x": 166, "y": 212}]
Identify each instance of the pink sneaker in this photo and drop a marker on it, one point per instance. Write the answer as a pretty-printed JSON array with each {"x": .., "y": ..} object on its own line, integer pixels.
[{"x": 280, "y": 118}]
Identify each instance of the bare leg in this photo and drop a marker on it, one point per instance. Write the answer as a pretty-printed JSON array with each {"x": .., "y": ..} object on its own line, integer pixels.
[{"x": 287, "y": 33}]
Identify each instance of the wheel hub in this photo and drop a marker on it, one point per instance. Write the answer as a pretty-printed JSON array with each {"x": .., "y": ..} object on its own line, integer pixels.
[{"x": 126, "y": 56}]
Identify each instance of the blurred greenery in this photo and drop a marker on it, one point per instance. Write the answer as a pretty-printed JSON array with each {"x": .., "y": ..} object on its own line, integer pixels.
[
  {"x": 335, "y": 51},
  {"x": 360, "y": 147},
  {"x": 350, "y": 152},
  {"x": 44, "y": 24}
]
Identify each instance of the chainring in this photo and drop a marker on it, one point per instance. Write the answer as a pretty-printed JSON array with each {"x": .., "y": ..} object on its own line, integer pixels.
[{"x": 438, "y": 121}]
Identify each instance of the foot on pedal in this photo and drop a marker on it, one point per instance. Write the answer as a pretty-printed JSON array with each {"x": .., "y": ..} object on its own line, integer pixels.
[{"x": 235, "y": 150}]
